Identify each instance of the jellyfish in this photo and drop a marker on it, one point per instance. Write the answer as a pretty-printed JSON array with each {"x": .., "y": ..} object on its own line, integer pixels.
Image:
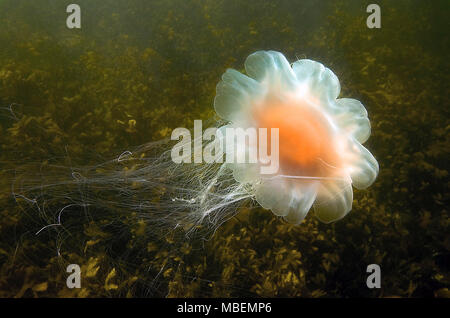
[
  {"x": 321, "y": 158},
  {"x": 320, "y": 135}
]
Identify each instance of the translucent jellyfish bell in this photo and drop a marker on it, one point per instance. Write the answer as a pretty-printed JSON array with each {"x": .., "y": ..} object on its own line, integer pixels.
[{"x": 320, "y": 136}]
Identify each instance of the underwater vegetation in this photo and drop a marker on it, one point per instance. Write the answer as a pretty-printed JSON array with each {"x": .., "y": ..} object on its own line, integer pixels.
[{"x": 138, "y": 69}]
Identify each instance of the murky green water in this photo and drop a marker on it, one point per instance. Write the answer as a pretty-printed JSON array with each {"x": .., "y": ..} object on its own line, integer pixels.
[{"x": 137, "y": 69}]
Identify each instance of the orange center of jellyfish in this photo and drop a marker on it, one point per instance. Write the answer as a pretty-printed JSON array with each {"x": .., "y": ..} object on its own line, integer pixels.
[{"x": 306, "y": 142}]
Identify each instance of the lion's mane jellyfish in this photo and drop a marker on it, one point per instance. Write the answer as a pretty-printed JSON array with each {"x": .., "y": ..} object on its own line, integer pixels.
[
  {"x": 320, "y": 157},
  {"x": 320, "y": 135}
]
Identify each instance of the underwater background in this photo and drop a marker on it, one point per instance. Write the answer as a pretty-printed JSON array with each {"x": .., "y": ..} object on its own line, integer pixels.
[{"x": 138, "y": 69}]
